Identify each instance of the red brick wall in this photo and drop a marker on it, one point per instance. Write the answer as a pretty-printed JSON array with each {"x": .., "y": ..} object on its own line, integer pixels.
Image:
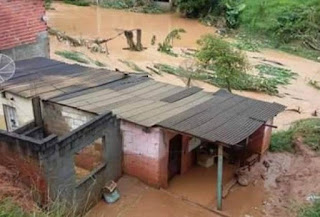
[
  {"x": 259, "y": 141},
  {"x": 20, "y": 22}
]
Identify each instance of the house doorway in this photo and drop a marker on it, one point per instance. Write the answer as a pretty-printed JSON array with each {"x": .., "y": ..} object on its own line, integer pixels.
[{"x": 175, "y": 152}]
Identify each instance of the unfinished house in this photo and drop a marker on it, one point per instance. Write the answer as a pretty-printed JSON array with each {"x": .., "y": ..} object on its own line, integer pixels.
[{"x": 166, "y": 130}]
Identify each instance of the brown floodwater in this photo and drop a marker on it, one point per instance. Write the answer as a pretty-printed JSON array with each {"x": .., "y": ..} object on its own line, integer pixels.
[{"x": 97, "y": 22}]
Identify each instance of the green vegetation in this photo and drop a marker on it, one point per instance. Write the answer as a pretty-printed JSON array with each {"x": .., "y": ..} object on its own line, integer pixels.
[
  {"x": 229, "y": 64},
  {"x": 79, "y": 57},
  {"x": 315, "y": 84},
  {"x": 77, "y": 2},
  {"x": 74, "y": 55},
  {"x": 138, "y": 6},
  {"x": 9, "y": 209},
  {"x": 276, "y": 75},
  {"x": 132, "y": 66},
  {"x": 166, "y": 46},
  {"x": 308, "y": 130},
  {"x": 294, "y": 25},
  {"x": 312, "y": 210},
  {"x": 47, "y": 4},
  {"x": 193, "y": 8}
]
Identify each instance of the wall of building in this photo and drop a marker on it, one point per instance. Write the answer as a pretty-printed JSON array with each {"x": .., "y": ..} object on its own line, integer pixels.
[
  {"x": 143, "y": 149},
  {"x": 259, "y": 141},
  {"x": 60, "y": 120},
  {"x": 22, "y": 29},
  {"x": 22, "y": 105},
  {"x": 146, "y": 153},
  {"x": 77, "y": 130}
]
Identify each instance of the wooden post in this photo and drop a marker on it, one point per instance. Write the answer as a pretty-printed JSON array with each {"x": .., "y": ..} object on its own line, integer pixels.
[
  {"x": 219, "y": 177},
  {"x": 139, "y": 38}
]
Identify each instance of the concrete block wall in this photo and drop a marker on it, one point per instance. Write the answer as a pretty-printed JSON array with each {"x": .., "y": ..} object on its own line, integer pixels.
[
  {"x": 143, "y": 150},
  {"x": 22, "y": 29},
  {"x": 60, "y": 120},
  {"x": 79, "y": 129}
]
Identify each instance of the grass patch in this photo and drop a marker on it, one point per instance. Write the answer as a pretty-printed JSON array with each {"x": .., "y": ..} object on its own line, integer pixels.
[
  {"x": 73, "y": 55},
  {"x": 9, "y": 209},
  {"x": 308, "y": 130},
  {"x": 315, "y": 84},
  {"x": 79, "y": 57},
  {"x": 276, "y": 75},
  {"x": 77, "y": 2},
  {"x": 310, "y": 210},
  {"x": 132, "y": 66}
]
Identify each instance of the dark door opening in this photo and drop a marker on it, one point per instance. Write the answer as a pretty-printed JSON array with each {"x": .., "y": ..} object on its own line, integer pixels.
[{"x": 175, "y": 151}]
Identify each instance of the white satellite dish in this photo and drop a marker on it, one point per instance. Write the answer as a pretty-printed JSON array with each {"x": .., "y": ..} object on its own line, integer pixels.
[{"x": 7, "y": 68}]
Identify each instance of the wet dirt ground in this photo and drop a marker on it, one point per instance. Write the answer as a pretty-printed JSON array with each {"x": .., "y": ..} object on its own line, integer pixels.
[{"x": 139, "y": 200}]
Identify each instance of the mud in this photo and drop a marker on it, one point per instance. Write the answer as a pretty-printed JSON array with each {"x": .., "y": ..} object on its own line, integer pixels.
[{"x": 138, "y": 200}]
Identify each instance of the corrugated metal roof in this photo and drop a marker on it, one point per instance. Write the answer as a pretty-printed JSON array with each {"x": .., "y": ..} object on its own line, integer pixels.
[{"x": 221, "y": 116}]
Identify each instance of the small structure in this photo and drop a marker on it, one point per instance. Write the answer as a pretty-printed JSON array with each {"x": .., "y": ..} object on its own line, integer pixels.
[
  {"x": 162, "y": 126},
  {"x": 69, "y": 161}
]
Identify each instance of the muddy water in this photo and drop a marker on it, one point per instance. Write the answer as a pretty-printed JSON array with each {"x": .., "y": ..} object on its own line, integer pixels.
[{"x": 94, "y": 22}]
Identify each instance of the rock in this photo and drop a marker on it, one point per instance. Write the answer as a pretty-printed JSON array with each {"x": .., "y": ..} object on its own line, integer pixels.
[
  {"x": 243, "y": 180},
  {"x": 263, "y": 176}
]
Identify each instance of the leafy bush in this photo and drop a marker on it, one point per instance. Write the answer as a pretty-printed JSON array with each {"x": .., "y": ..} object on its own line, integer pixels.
[
  {"x": 287, "y": 20},
  {"x": 77, "y": 2},
  {"x": 308, "y": 130},
  {"x": 194, "y": 8}
]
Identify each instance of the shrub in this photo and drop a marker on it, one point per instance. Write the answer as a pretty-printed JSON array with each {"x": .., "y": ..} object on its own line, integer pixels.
[{"x": 308, "y": 130}]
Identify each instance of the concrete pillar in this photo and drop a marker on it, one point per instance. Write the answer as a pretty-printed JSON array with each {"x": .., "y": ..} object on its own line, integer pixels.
[{"x": 219, "y": 177}]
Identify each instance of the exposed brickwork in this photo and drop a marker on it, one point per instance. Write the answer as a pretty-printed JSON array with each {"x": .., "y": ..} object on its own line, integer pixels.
[
  {"x": 20, "y": 22},
  {"x": 259, "y": 141}
]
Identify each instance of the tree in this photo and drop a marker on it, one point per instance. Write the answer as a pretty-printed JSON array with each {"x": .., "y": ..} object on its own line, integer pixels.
[{"x": 228, "y": 63}]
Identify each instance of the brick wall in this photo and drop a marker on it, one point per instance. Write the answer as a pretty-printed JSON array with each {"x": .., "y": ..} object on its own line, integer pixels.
[
  {"x": 143, "y": 150},
  {"x": 20, "y": 22}
]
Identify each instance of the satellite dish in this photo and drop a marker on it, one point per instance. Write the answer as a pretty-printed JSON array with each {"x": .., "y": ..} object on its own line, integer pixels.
[{"x": 7, "y": 68}]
